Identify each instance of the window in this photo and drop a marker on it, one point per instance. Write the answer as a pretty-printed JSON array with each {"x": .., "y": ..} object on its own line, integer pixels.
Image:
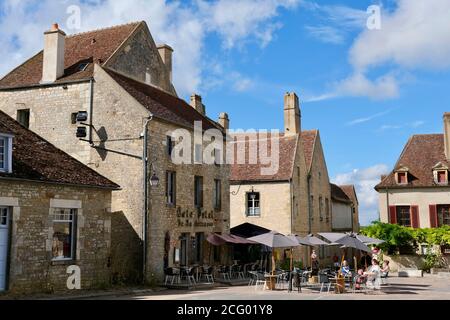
[
  {"x": 441, "y": 177},
  {"x": 402, "y": 177},
  {"x": 170, "y": 144},
  {"x": 23, "y": 117},
  {"x": 3, "y": 217},
  {"x": 198, "y": 154},
  {"x": 217, "y": 157},
  {"x": 217, "y": 194},
  {"x": 197, "y": 245},
  {"x": 443, "y": 213},
  {"x": 321, "y": 208},
  {"x": 170, "y": 187},
  {"x": 73, "y": 118},
  {"x": 327, "y": 209},
  {"x": 198, "y": 192},
  {"x": 63, "y": 234},
  {"x": 5, "y": 154},
  {"x": 253, "y": 208},
  {"x": 404, "y": 216},
  {"x": 83, "y": 66}
]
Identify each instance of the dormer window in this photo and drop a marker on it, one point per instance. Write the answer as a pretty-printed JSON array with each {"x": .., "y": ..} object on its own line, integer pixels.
[
  {"x": 441, "y": 177},
  {"x": 402, "y": 177},
  {"x": 5, "y": 153}
]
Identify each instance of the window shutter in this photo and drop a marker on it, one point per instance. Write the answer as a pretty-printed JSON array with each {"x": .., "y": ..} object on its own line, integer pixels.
[
  {"x": 433, "y": 216},
  {"x": 415, "y": 217},
  {"x": 392, "y": 214}
]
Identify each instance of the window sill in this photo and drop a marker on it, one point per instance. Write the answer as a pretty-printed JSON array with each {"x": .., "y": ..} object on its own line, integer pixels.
[
  {"x": 67, "y": 262},
  {"x": 171, "y": 205}
]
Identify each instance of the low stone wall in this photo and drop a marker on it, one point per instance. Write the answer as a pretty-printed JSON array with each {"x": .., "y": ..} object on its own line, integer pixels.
[{"x": 397, "y": 262}]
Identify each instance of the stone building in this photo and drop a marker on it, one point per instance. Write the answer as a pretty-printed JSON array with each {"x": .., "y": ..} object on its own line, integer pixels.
[
  {"x": 54, "y": 212},
  {"x": 344, "y": 209},
  {"x": 296, "y": 198},
  {"x": 416, "y": 193},
  {"x": 117, "y": 78}
]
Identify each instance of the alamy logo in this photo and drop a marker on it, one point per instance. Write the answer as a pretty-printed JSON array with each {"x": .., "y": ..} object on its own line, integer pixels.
[
  {"x": 74, "y": 280},
  {"x": 235, "y": 147},
  {"x": 374, "y": 20}
]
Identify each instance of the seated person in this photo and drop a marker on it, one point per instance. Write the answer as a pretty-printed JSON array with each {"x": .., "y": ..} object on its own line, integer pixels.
[
  {"x": 385, "y": 269},
  {"x": 374, "y": 275},
  {"x": 345, "y": 270}
]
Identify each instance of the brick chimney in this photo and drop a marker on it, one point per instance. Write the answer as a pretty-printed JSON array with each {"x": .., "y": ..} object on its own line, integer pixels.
[
  {"x": 292, "y": 114},
  {"x": 166, "y": 53},
  {"x": 447, "y": 134},
  {"x": 54, "y": 46},
  {"x": 196, "y": 103},
  {"x": 224, "y": 121}
]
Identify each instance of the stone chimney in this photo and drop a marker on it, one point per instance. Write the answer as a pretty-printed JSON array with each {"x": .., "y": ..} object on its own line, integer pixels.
[
  {"x": 196, "y": 103},
  {"x": 54, "y": 46},
  {"x": 166, "y": 53},
  {"x": 292, "y": 114},
  {"x": 224, "y": 121},
  {"x": 447, "y": 134}
]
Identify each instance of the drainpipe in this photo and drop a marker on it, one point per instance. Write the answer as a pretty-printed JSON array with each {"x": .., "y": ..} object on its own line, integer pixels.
[
  {"x": 91, "y": 109},
  {"x": 292, "y": 205},
  {"x": 387, "y": 204},
  {"x": 145, "y": 207},
  {"x": 310, "y": 205}
]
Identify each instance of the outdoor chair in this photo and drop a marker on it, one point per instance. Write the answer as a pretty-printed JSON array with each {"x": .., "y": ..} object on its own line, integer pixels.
[
  {"x": 282, "y": 280},
  {"x": 208, "y": 274},
  {"x": 169, "y": 275},
  {"x": 359, "y": 283},
  {"x": 260, "y": 280},
  {"x": 253, "y": 277},
  {"x": 189, "y": 275},
  {"x": 324, "y": 281},
  {"x": 224, "y": 273}
]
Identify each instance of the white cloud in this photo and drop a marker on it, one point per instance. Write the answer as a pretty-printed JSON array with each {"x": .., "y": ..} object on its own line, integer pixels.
[
  {"x": 367, "y": 119},
  {"x": 365, "y": 180},
  {"x": 182, "y": 25},
  {"x": 414, "y": 35},
  {"x": 326, "y": 34},
  {"x": 414, "y": 125}
]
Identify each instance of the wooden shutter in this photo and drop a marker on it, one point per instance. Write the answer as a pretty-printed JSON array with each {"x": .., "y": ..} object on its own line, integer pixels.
[
  {"x": 415, "y": 217},
  {"x": 433, "y": 216},
  {"x": 392, "y": 214}
]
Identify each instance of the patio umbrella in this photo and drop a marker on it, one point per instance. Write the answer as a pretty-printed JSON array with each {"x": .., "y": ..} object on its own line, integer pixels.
[
  {"x": 368, "y": 240},
  {"x": 272, "y": 240},
  {"x": 348, "y": 240}
]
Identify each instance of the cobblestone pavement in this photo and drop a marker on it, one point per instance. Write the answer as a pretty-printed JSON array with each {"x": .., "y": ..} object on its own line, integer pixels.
[{"x": 426, "y": 288}]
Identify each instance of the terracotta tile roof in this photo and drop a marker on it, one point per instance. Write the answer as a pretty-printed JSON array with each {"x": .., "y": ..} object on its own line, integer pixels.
[
  {"x": 93, "y": 47},
  {"x": 420, "y": 155},
  {"x": 163, "y": 105},
  {"x": 36, "y": 159},
  {"x": 350, "y": 192},
  {"x": 252, "y": 172},
  {"x": 309, "y": 139},
  {"x": 338, "y": 194}
]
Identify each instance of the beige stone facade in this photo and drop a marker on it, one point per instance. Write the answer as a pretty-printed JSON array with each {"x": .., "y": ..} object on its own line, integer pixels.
[
  {"x": 31, "y": 268},
  {"x": 118, "y": 119}
]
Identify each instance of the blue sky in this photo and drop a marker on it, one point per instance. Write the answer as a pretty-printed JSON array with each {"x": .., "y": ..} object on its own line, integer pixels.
[{"x": 366, "y": 90}]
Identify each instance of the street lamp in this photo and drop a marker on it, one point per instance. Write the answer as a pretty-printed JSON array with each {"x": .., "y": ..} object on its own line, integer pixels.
[{"x": 154, "y": 180}]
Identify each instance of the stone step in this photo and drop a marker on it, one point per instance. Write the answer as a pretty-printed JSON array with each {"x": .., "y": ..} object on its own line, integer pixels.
[{"x": 410, "y": 273}]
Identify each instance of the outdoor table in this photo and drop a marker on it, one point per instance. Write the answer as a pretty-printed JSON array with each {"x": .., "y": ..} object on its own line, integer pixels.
[{"x": 271, "y": 281}]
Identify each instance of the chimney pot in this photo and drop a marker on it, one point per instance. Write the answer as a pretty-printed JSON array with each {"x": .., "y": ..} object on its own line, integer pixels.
[
  {"x": 224, "y": 120},
  {"x": 447, "y": 134},
  {"x": 54, "y": 48},
  {"x": 166, "y": 53},
  {"x": 292, "y": 115},
  {"x": 196, "y": 103}
]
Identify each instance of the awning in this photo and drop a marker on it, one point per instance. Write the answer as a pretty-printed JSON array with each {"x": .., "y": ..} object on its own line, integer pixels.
[{"x": 221, "y": 239}]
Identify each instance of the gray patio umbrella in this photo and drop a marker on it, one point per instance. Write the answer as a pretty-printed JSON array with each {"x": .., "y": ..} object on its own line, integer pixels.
[
  {"x": 274, "y": 239},
  {"x": 313, "y": 241},
  {"x": 368, "y": 240},
  {"x": 298, "y": 239}
]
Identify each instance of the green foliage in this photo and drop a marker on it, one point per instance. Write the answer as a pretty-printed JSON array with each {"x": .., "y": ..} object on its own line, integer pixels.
[
  {"x": 285, "y": 264},
  {"x": 400, "y": 237},
  {"x": 433, "y": 260}
]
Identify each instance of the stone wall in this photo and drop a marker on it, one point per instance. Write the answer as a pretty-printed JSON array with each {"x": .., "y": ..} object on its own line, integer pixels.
[
  {"x": 139, "y": 59},
  {"x": 31, "y": 265}
]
